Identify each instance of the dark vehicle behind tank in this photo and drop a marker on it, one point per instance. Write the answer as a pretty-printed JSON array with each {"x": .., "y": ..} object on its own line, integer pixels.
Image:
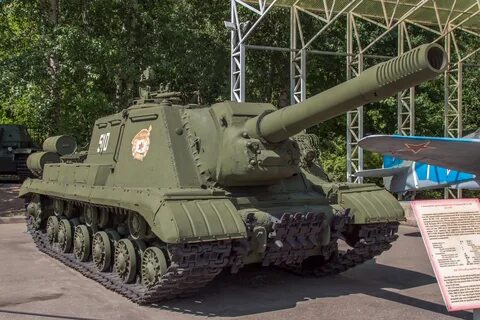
[
  {"x": 170, "y": 195},
  {"x": 15, "y": 147}
]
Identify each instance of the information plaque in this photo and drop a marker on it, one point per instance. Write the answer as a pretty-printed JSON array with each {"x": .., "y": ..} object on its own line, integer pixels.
[{"x": 451, "y": 233}]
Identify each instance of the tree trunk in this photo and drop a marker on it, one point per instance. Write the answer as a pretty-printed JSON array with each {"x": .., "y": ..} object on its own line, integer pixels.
[{"x": 50, "y": 14}]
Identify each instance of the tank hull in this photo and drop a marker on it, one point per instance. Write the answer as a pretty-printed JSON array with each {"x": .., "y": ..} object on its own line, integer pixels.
[{"x": 298, "y": 231}]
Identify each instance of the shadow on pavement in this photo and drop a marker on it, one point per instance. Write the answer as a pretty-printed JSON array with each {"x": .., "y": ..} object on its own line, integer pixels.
[
  {"x": 256, "y": 290},
  {"x": 42, "y": 315},
  {"x": 413, "y": 234},
  {"x": 9, "y": 201}
]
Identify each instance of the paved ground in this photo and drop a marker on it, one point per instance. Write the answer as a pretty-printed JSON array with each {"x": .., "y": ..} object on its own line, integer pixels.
[
  {"x": 8, "y": 198},
  {"x": 399, "y": 285}
]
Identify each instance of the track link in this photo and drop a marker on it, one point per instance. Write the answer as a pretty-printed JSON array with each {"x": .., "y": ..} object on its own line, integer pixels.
[
  {"x": 193, "y": 266},
  {"x": 374, "y": 239}
]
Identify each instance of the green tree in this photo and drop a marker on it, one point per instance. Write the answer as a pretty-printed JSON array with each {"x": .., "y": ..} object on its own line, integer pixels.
[{"x": 64, "y": 64}]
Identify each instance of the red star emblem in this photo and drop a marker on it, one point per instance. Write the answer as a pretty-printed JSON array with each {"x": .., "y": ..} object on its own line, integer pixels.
[{"x": 416, "y": 148}]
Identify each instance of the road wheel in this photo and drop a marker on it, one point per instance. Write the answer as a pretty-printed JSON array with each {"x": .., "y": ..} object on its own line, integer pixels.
[
  {"x": 126, "y": 260},
  {"x": 102, "y": 251},
  {"x": 82, "y": 243},
  {"x": 52, "y": 228},
  {"x": 154, "y": 266},
  {"x": 65, "y": 235}
]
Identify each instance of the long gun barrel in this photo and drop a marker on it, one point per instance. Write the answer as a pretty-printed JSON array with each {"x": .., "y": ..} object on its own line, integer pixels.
[{"x": 376, "y": 83}]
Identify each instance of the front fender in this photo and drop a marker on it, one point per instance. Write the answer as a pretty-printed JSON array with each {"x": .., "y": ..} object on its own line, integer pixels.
[{"x": 370, "y": 204}]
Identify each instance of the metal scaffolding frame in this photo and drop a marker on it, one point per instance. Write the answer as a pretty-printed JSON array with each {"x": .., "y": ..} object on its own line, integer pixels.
[
  {"x": 443, "y": 18},
  {"x": 298, "y": 59},
  {"x": 453, "y": 90},
  {"x": 405, "y": 98},
  {"x": 354, "y": 117}
]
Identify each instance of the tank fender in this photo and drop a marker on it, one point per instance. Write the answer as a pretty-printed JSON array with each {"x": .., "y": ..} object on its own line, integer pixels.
[
  {"x": 173, "y": 219},
  {"x": 198, "y": 220},
  {"x": 369, "y": 203}
]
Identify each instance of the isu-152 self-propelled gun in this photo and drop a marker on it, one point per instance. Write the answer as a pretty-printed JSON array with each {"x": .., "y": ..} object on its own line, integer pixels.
[{"x": 167, "y": 195}]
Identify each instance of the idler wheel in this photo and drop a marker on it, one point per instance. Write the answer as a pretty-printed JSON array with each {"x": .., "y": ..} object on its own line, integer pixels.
[
  {"x": 33, "y": 209},
  {"x": 65, "y": 235},
  {"x": 90, "y": 214},
  {"x": 126, "y": 260},
  {"x": 137, "y": 226},
  {"x": 52, "y": 228},
  {"x": 58, "y": 207},
  {"x": 82, "y": 243},
  {"x": 154, "y": 266},
  {"x": 102, "y": 251}
]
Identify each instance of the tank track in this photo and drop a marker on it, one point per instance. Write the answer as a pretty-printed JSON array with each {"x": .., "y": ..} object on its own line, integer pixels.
[
  {"x": 293, "y": 236},
  {"x": 374, "y": 239},
  {"x": 193, "y": 266}
]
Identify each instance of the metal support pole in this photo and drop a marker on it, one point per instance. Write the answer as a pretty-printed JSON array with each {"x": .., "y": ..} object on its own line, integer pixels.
[
  {"x": 459, "y": 109},
  {"x": 298, "y": 76},
  {"x": 354, "y": 118},
  {"x": 447, "y": 193},
  {"x": 237, "y": 58},
  {"x": 453, "y": 112},
  {"x": 238, "y": 74},
  {"x": 293, "y": 47},
  {"x": 350, "y": 114},
  {"x": 405, "y": 98}
]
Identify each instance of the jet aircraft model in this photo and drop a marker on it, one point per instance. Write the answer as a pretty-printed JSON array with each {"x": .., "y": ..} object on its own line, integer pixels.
[{"x": 414, "y": 163}]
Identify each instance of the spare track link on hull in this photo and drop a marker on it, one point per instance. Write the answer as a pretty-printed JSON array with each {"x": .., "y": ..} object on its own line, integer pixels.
[
  {"x": 293, "y": 235},
  {"x": 193, "y": 267},
  {"x": 374, "y": 240}
]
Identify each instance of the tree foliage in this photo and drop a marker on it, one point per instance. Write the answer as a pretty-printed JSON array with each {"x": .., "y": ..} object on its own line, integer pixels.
[{"x": 65, "y": 63}]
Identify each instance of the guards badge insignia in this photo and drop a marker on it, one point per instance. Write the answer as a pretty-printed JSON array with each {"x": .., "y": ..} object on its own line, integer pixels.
[{"x": 141, "y": 144}]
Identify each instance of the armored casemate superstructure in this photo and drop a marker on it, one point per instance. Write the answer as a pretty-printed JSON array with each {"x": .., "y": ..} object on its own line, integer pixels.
[{"x": 169, "y": 195}]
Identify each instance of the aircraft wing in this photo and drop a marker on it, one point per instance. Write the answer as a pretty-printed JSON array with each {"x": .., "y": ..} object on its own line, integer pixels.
[
  {"x": 467, "y": 185},
  {"x": 403, "y": 175},
  {"x": 458, "y": 154},
  {"x": 381, "y": 173}
]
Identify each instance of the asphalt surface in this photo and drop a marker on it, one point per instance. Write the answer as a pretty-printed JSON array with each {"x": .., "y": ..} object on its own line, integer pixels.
[
  {"x": 9, "y": 202},
  {"x": 398, "y": 285}
]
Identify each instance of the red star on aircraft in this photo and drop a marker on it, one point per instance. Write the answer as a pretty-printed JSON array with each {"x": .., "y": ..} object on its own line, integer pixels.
[{"x": 416, "y": 148}]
